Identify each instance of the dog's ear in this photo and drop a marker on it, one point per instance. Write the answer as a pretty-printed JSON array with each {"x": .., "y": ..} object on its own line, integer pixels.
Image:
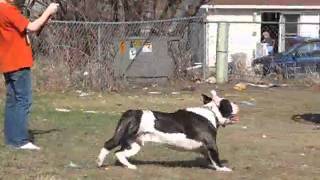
[{"x": 206, "y": 99}]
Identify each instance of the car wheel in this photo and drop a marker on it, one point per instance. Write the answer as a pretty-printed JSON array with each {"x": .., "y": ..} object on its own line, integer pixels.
[
  {"x": 258, "y": 69},
  {"x": 275, "y": 77}
]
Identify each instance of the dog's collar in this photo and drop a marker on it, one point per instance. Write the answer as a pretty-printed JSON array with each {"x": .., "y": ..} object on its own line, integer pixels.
[
  {"x": 216, "y": 117},
  {"x": 218, "y": 123}
]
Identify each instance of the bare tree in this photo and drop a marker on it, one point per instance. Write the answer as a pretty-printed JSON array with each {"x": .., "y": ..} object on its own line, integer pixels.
[
  {"x": 124, "y": 10},
  {"x": 188, "y": 8}
]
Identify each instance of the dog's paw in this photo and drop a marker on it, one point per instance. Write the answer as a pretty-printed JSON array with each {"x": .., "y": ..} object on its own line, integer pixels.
[
  {"x": 102, "y": 155},
  {"x": 133, "y": 167},
  {"x": 223, "y": 169},
  {"x": 99, "y": 162}
]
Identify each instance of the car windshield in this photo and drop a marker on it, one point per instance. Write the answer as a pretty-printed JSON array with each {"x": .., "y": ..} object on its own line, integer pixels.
[
  {"x": 292, "y": 48},
  {"x": 302, "y": 48}
]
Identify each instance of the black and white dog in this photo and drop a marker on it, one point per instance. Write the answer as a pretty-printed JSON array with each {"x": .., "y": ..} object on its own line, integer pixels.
[{"x": 191, "y": 129}]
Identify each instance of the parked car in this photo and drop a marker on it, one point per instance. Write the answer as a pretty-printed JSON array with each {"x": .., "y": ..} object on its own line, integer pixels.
[{"x": 301, "y": 58}]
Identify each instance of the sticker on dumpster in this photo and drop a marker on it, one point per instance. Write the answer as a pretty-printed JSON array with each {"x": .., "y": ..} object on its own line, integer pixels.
[
  {"x": 137, "y": 43},
  {"x": 132, "y": 53},
  {"x": 147, "y": 47},
  {"x": 122, "y": 48}
]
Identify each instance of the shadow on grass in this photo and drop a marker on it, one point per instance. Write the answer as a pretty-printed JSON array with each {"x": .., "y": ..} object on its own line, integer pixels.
[
  {"x": 314, "y": 118},
  {"x": 196, "y": 163},
  {"x": 33, "y": 133}
]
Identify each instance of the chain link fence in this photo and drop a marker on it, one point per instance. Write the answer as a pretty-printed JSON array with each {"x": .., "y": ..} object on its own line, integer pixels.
[{"x": 106, "y": 56}]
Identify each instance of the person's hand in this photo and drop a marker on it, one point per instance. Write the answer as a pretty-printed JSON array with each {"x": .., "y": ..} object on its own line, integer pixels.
[{"x": 52, "y": 8}]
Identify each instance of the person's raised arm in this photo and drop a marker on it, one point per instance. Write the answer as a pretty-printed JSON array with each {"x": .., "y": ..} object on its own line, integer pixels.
[{"x": 41, "y": 21}]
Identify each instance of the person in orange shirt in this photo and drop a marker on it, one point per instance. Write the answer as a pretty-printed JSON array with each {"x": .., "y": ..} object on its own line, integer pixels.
[{"x": 15, "y": 63}]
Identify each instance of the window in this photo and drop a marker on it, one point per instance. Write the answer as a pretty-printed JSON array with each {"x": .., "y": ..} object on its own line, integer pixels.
[
  {"x": 316, "y": 46},
  {"x": 292, "y": 25},
  {"x": 316, "y": 50},
  {"x": 308, "y": 50},
  {"x": 305, "y": 48}
]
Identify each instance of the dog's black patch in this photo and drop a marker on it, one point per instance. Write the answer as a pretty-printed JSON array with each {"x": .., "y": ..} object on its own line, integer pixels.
[
  {"x": 126, "y": 130},
  {"x": 194, "y": 126},
  {"x": 314, "y": 118},
  {"x": 225, "y": 108}
]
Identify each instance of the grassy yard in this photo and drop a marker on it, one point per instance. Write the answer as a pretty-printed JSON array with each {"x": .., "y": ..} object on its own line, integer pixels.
[{"x": 266, "y": 144}]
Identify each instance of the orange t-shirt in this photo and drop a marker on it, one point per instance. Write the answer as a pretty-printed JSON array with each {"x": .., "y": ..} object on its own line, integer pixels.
[{"x": 15, "y": 51}]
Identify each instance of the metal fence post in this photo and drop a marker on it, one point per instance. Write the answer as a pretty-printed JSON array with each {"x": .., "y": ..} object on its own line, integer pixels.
[
  {"x": 205, "y": 50},
  {"x": 99, "y": 43},
  {"x": 101, "y": 70},
  {"x": 222, "y": 53}
]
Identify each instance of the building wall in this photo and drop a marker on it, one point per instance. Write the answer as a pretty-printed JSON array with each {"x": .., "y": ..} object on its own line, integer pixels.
[
  {"x": 242, "y": 37},
  {"x": 309, "y": 30},
  {"x": 211, "y": 39}
]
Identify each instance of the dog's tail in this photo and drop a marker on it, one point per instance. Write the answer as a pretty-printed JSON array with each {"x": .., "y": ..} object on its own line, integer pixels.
[{"x": 126, "y": 130}]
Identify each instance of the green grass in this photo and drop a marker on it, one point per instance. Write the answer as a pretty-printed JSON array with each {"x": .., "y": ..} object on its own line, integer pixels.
[{"x": 290, "y": 150}]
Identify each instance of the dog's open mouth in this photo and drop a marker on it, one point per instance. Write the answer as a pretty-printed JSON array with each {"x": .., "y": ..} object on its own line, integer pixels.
[{"x": 234, "y": 119}]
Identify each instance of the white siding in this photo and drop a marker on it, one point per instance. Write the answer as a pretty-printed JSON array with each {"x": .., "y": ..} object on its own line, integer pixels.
[
  {"x": 243, "y": 37},
  {"x": 309, "y": 30},
  {"x": 211, "y": 42}
]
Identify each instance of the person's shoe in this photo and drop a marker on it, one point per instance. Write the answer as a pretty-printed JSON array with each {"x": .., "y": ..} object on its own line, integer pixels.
[{"x": 29, "y": 146}]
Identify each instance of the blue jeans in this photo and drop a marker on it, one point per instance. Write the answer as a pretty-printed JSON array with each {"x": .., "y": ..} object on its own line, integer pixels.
[{"x": 17, "y": 108}]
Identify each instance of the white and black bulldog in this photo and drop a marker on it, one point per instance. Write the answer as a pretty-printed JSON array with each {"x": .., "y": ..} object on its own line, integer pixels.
[{"x": 191, "y": 129}]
